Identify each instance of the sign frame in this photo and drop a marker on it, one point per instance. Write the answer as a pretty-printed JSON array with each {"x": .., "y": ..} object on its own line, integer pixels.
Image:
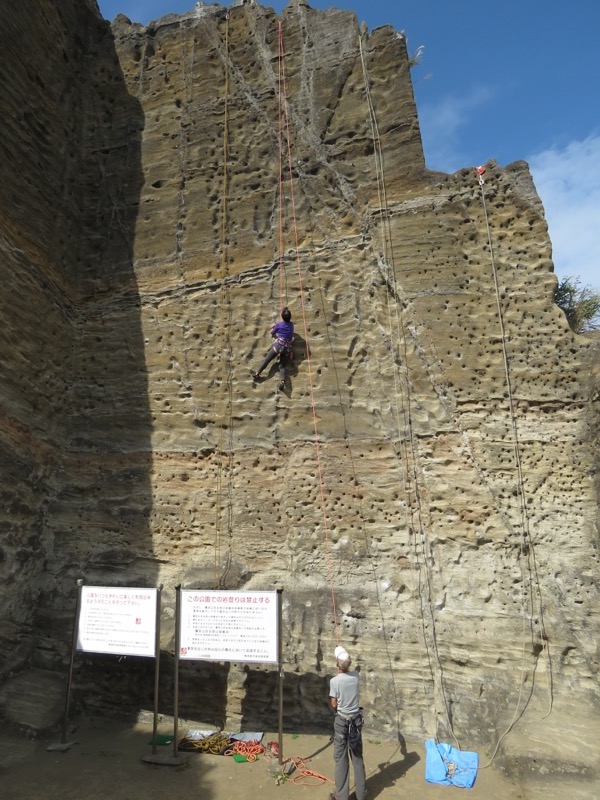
[
  {"x": 239, "y": 626},
  {"x": 117, "y": 620}
]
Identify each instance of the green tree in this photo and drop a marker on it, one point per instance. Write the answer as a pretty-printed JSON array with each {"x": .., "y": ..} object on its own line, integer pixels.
[{"x": 581, "y": 304}]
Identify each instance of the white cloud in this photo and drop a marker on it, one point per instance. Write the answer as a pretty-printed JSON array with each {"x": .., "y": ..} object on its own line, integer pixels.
[
  {"x": 568, "y": 181},
  {"x": 441, "y": 123}
]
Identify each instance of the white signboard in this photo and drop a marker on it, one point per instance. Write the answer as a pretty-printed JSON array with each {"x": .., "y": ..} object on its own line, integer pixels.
[
  {"x": 120, "y": 621},
  {"x": 228, "y": 626}
]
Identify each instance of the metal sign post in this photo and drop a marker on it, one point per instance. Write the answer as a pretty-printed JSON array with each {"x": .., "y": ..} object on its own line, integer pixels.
[
  {"x": 64, "y": 745},
  {"x": 162, "y": 758},
  {"x": 156, "y": 668},
  {"x": 280, "y": 671},
  {"x": 176, "y": 684}
]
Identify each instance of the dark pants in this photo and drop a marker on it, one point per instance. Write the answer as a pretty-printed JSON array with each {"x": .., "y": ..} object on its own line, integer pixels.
[
  {"x": 342, "y": 755},
  {"x": 283, "y": 360}
]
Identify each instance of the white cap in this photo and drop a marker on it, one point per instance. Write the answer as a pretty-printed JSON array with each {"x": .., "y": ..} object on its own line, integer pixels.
[{"x": 341, "y": 654}]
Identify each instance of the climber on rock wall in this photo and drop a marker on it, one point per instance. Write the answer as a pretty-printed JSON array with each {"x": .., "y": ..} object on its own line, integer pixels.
[{"x": 283, "y": 333}]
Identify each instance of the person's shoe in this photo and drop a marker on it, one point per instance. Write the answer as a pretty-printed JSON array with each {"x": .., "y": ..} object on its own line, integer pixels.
[
  {"x": 281, "y": 385},
  {"x": 255, "y": 376}
]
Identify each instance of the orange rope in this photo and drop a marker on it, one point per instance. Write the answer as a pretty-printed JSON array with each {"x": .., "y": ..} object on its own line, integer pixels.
[
  {"x": 308, "y": 361},
  {"x": 280, "y": 135},
  {"x": 250, "y": 749},
  {"x": 304, "y": 773}
]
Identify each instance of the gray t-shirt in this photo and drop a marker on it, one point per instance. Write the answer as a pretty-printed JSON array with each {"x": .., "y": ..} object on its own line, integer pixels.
[{"x": 345, "y": 688}]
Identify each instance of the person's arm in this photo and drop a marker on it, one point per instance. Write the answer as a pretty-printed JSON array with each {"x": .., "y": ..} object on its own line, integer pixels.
[{"x": 332, "y": 695}]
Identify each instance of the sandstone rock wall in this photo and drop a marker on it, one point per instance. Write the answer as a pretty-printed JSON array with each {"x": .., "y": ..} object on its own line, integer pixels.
[
  {"x": 70, "y": 178},
  {"x": 40, "y": 145},
  {"x": 448, "y": 501}
]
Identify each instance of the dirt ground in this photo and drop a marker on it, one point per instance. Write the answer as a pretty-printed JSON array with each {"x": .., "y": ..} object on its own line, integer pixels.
[{"x": 106, "y": 762}]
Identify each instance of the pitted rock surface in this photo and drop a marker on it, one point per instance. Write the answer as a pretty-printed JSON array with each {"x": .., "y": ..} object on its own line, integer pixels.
[{"x": 431, "y": 464}]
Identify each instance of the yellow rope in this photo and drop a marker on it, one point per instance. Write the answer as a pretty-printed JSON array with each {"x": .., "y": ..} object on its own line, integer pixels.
[{"x": 214, "y": 744}]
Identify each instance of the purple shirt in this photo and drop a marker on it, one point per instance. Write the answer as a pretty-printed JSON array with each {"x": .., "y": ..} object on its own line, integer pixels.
[{"x": 283, "y": 330}]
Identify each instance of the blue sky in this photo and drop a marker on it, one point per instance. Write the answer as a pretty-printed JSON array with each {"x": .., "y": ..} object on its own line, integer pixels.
[{"x": 498, "y": 79}]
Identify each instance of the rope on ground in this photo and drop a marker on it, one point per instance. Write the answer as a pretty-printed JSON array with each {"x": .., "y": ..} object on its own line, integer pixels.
[
  {"x": 214, "y": 744},
  {"x": 251, "y": 749},
  {"x": 306, "y": 776}
]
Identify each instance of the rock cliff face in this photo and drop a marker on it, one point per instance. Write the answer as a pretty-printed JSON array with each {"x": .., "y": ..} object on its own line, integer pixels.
[{"x": 424, "y": 488}]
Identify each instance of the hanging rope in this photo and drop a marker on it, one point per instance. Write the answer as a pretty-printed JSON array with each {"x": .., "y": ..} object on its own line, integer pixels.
[
  {"x": 284, "y": 106},
  {"x": 357, "y": 493},
  {"x": 220, "y": 571},
  {"x": 527, "y": 551},
  {"x": 281, "y": 111},
  {"x": 403, "y": 412}
]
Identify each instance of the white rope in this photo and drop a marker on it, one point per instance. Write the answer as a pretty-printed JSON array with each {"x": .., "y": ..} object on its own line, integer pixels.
[
  {"x": 526, "y": 544},
  {"x": 411, "y": 464}
]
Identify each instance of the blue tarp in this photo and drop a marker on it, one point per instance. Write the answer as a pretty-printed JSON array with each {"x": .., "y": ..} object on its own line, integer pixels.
[{"x": 451, "y": 767}]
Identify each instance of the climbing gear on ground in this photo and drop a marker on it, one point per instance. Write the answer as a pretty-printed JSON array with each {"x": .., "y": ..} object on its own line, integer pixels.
[
  {"x": 448, "y": 766},
  {"x": 216, "y": 744},
  {"x": 250, "y": 750},
  {"x": 304, "y": 776}
]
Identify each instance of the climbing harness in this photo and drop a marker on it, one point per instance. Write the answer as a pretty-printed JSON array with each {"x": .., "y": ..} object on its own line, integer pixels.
[
  {"x": 355, "y": 725},
  {"x": 283, "y": 347}
]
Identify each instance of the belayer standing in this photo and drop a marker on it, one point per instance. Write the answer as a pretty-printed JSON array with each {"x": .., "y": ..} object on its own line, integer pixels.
[
  {"x": 283, "y": 333},
  {"x": 344, "y": 699}
]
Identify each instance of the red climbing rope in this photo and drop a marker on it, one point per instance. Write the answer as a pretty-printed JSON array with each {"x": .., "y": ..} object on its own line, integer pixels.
[
  {"x": 283, "y": 104},
  {"x": 306, "y": 776},
  {"x": 250, "y": 749},
  {"x": 280, "y": 136}
]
